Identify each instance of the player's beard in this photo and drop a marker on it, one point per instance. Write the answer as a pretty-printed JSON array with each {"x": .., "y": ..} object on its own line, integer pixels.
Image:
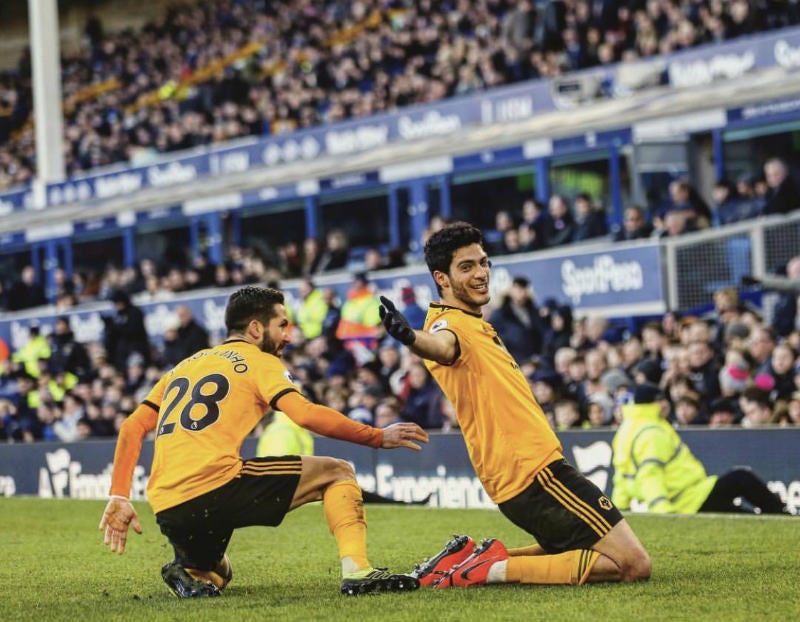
[
  {"x": 468, "y": 296},
  {"x": 269, "y": 346}
]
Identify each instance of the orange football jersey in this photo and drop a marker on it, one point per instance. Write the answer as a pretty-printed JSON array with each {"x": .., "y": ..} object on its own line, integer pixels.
[
  {"x": 206, "y": 407},
  {"x": 508, "y": 437}
]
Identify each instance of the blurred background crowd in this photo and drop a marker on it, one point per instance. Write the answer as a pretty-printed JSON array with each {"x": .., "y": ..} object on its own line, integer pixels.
[
  {"x": 209, "y": 72},
  {"x": 726, "y": 368}
]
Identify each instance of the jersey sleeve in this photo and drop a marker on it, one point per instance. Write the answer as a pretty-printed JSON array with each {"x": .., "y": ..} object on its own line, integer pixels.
[
  {"x": 129, "y": 446},
  {"x": 328, "y": 422},
  {"x": 272, "y": 380},
  {"x": 450, "y": 321},
  {"x": 156, "y": 394}
]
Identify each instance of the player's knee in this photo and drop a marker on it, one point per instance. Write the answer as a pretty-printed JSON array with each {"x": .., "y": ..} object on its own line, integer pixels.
[
  {"x": 638, "y": 567},
  {"x": 341, "y": 470}
]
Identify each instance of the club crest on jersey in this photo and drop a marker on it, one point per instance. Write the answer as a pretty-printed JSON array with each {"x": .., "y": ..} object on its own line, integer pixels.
[
  {"x": 288, "y": 375},
  {"x": 500, "y": 343},
  {"x": 437, "y": 325}
]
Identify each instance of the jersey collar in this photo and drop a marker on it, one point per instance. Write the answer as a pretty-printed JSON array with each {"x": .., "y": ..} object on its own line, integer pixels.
[{"x": 441, "y": 305}]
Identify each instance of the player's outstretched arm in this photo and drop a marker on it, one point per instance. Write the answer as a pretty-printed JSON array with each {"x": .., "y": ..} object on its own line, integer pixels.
[
  {"x": 403, "y": 435},
  {"x": 329, "y": 422},
  {"x": 440, "y": 346},
  {"x": 117, "y": 517},
  {"x": 119, "y": 513}
]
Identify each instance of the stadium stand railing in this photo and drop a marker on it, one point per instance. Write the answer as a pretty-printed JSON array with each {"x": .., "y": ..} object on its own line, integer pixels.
[{"x": 697, "y": 264}]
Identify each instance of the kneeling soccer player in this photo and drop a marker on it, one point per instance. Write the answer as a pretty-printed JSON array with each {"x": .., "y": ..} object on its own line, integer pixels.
[
  {"x": 201, "y": 490},
  {"x": 581, "y": 536}
]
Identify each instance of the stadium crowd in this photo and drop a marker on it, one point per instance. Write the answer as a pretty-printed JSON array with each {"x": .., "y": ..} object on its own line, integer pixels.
[
  {"x": 728, "y": 368},
  {"x": 209, "y": 72}
]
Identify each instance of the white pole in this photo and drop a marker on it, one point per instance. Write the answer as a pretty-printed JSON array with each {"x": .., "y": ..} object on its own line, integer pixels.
[{"x": 48, "y": 116}]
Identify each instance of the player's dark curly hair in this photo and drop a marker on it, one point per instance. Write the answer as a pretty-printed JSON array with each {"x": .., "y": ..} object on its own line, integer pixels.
[
  {"x": 442, "y": 245},
  {"x": 251, "y": 303}
]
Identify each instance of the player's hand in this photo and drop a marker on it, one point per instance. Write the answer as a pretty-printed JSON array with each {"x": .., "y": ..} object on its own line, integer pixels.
[
  {"x": 748, "y": 280},
  {"x": 118, "y": 515},
  {"x": 403, "y": 435},
  {"x": 395, "y": 322}
]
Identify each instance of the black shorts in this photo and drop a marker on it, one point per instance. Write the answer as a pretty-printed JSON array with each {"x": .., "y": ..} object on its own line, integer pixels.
[
  {"x": 562, "y": 509},
  {"x": 200, "y": 529}
]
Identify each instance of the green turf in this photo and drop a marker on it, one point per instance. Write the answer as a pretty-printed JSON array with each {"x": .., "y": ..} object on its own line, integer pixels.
[{"x": 715, "y": 568}]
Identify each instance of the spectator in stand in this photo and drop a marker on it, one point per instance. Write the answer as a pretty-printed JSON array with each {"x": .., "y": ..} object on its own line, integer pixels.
[
  {"x": 26, "y": 292},
  {"x": 517, "y": 321},
  {"x": 729, "y": 206},
  {"x": 312, "y": 255},
  {"x": 596, "y": 366},
  {"x": 567, "y": 415},
  {"x": 785, "y": 315},
  {"x": 558, "y": 333},
  {"x": 535, "y": 218},
  {"x": 793, "y": 409},
  {"x": 512, "y": 243},
  {"x": 685, "y": 198},
  {"x": 363, "y": 401},
  {"x": 724, "y": 412},
  {"x": 752, "y": 188},
  {"x": 561, "y": 225},
  {"x": 336, "y": 253},
  {"x": 387, "y": 412},
  {"x": 634, "y": 225},
  {"x": 781, "y": 370},
  {"x": 358, "y": 325},
  {"x": 290, "y": 260},
  {"x": 331, "y": 321},
  {"x": 192, "y": 337},
  {"x": 689, "y": 411},
  {"x": 125, "y": 333},
  {"x": 35, "y": 349},
  {"x": 761, "y": 344},
  {"x": 373, "y": 260},
  {"x": 654, "y": 343},
  {"x": 757, "y": 408},
  {"x": 590, "y": 221},
  {"x": 495, "y": 238},
  {"x": 413, "y": 312},
  {"x": 727, "y": 308},
  {"x": 68, "y": 357},
  {"x": 547, "y": 388},
  {"x": 313, "y": 309},
  {"x": 783, "y": 195},
  {"x": 21, "y": 420},
  {"x": 67, "y": 428},
  {"x": 734, "y": 377},
  {"x": 421, "y": 397}
]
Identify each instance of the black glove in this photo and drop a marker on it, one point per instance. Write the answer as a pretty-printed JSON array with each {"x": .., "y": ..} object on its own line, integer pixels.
[
  {"x": 750, "y": 280},
  {"x": 395, "y": 323}
]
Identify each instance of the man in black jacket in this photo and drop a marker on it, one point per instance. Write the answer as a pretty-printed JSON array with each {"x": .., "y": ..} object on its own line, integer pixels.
[
  {"x": 518, "y": 322},
  {"x": 125, "y": 332}
]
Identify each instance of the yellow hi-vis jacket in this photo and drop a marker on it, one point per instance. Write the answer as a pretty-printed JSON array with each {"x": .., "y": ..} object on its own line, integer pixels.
[{"x": 653, "y": 465}]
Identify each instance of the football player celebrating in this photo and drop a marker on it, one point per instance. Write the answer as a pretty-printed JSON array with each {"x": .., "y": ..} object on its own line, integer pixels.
[
  {"x": 581, "y": 536},
  {"x": 200, "y": 488}
]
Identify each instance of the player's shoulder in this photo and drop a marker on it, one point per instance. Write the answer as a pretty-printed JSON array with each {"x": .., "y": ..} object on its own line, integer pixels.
[{"x": 441, "y": 316}]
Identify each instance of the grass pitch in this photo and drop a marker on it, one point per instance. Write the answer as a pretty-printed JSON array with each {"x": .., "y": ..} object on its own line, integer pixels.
[{"x": 705, "y": 568}]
